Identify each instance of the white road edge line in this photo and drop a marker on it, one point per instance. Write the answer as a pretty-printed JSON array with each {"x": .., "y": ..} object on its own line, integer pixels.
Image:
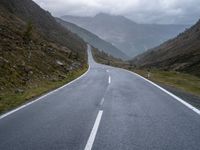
[
  {"x": 169, "y": 93},
  {"x": 109, "y": 79},
  {"x": 25, "y": 105},
  {"x": 102, "y": 101},
  {"x": 94, "y": 131}
]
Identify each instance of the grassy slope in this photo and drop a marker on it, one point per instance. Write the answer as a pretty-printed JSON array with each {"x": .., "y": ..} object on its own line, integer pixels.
[
  {"x": 31, "y": 67},
  {"x": 10, "y": 99},
  {"x": 183, "y": 81},
  {"x": 179, "y": 54}
]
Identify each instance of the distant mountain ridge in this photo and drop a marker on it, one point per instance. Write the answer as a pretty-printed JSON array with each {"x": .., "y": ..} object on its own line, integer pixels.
[
  {"x": 93, "y": 40},
  {"x": 130, "y": 37},
  {"x": 181, "y": 53}
]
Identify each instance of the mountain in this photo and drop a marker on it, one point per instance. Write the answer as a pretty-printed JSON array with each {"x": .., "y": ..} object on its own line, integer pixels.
[
  {"x": 130, "y": 37},
  {"x": 93, "y": 39},
  {"x": 46, "y": 25},
  {"x": 36, "y": 53},
  {"x": 181, "y": 53}
]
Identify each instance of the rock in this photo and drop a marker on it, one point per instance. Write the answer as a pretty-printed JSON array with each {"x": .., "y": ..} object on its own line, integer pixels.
[
  {"x": 50, "y": 49},
  {"x": 76, "y": 65},
  {"x": 27, "y": 69},
  {"x": 19, "y": 91},
  {"x": 5, "y": 60},
  {"x": 59, "y": 63},
  {"x": 70, "y": 68}
]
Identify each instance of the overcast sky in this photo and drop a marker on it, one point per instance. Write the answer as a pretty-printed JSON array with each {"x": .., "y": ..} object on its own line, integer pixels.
[{"x": 142, "y": 11}]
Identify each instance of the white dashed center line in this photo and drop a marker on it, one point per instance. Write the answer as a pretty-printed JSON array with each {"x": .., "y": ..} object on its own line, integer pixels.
[
  {"x": 94, "y": 131},
  {"x": 109, "y": 79}
]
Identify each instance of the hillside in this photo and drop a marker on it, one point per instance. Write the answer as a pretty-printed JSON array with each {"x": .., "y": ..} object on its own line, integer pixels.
[
  {"x": 93, "y": 39},
  {"x": 181, "y": 53},
  {"x": 36, "y": 53},
  {"x": 29, "y": 11},
  {"x": 103, "y": 58},
  {"x": 130, "y": 37}
]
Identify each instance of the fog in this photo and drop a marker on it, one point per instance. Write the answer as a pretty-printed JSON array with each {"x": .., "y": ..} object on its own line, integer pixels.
[{"x": 142, "y": 11}]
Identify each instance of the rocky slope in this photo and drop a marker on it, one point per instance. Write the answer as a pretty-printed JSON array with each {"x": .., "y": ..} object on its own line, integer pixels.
[
  {"x": 181, "y": 53},
  {"x": 36, "y": 53}
]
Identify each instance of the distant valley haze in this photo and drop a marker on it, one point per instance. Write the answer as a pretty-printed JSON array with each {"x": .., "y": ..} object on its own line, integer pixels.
[
  {"x": 130, "y": 37},
  {"x": 141, "y": 11},
  {"x": 132, "y": 26}
]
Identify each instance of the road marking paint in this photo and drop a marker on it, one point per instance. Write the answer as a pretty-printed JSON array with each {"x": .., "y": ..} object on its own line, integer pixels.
[
  {"x": 109, "y": 80},
  {"x": 25, "y": 105},
  {"x": 102, "y": 101},
  {"x": 107, "y": 70},
  {"x": 169, "y": 93},
  {"x": 94, "y": 131}
]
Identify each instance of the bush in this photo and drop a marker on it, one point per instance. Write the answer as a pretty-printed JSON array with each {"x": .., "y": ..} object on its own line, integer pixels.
[{"x": 28, "y": 32}]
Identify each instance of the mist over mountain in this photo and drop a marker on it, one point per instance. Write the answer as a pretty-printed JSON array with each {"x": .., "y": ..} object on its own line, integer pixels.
[
  {"x": 180, "y": 54},
  {"x": 130, "y": 37},
  {"x": 93, "y": 39}
]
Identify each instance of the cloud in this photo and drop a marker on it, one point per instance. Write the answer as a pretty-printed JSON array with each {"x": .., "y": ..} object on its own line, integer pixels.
[{"x": 144, "y": 11}]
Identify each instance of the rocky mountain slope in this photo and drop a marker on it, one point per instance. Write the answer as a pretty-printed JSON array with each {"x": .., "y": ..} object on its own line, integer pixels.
[
  {"x": 93, "y": 39},
  {"x": 130, "y": 37},
  {"x": 46, "y": 25},
  {"x": 181, "y": 53},
  {"x": 36, "y": 53}
]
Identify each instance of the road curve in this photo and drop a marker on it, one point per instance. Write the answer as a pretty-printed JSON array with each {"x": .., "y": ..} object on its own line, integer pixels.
[{"x": 106, "y": 109}]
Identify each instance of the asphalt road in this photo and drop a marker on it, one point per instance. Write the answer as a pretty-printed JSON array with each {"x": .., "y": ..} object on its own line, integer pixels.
[{"x": 106, "y": 109}]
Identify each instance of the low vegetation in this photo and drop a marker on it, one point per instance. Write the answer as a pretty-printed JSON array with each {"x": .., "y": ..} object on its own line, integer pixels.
[
  {"x": 14, "y": 97},
  {"x": 104, "y": 58},
  {"x": 186, "y": 82}
]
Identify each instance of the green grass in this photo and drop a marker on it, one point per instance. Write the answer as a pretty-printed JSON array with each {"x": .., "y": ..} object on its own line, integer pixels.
[
  {"x": 185, "y": 82},
  {"x": 9, "y": 99}
]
